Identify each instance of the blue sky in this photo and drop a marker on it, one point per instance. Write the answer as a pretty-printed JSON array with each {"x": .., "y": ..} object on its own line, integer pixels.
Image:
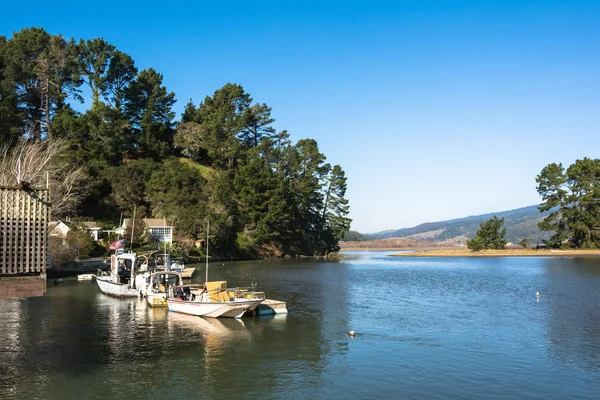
[{"x": 435, "y": 109}]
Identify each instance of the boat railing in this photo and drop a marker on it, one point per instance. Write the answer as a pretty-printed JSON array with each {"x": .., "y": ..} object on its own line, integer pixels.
[{"x": 247, "y": 293}]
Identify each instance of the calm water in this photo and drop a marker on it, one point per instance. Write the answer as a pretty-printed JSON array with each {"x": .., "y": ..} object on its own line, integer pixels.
[{"x": 426, "y": 329}]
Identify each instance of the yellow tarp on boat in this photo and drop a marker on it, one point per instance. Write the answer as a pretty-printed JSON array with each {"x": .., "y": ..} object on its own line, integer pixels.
[{"x": 215, "y": 288}]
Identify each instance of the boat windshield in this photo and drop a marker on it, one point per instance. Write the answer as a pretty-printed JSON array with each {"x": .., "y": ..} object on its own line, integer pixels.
[{"x": 166, "y": 278}]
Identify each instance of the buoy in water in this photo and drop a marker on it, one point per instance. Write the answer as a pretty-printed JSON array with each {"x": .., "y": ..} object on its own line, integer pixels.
[{"x": 352, "y": 333}]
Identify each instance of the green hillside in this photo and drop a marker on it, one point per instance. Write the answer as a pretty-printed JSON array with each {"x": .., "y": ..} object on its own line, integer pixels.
[{"x": 520, "y": 223}]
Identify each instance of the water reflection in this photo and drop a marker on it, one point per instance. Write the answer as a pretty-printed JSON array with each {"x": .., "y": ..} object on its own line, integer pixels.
[
  {"x": 572, "y": 307},
  {"x": 435, "y": 328},
  {"x": 209, "y": 327}
]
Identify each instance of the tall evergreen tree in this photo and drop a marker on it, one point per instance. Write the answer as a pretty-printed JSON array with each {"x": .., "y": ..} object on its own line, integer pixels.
[
  {"x": 11, "y": 117},
  {"x": 149, "y": 109},
  {"x": 336, "y": 208},
  {"x": 94, "y": 57},
  {"x": 22, "y": 55},
  {"x": 220, "y": 119},
  {"x": 573, "y": 199},
  {"x": 121, "y": 73},
  {"x": 307, "y": 168},
  {"x": 262, "y": 200},
  {"x": 257, "y": 125}
]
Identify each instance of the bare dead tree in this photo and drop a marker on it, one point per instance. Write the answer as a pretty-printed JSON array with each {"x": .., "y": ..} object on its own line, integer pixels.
[{"x": 34, "y": 161}]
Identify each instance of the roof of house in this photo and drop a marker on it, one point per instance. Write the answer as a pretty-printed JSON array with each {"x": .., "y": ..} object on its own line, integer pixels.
[
  {"x": 54, "y": 224},
  {"x": 91, "y": 225},
  {"x": 150, "y": 222}
]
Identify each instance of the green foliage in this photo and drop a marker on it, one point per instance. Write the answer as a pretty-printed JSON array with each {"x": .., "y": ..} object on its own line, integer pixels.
[
  {"x": 219, "y": 121},
  {"x": 178, "y": 192},
  {"x": 336, "y": 208},
  {"x": 148, "y": 108},
  {"x": 573, "y": 198},
  {"x": 128, "y": 183},
  {"x": 525, "y": 242},
  {"x": 263, "y": 195},
  {"x": 491, "y": 235},
  {"x": 476, "y": 244},
  {"x": 354, "y": 236},
  {"x": 177, "y": 250}
]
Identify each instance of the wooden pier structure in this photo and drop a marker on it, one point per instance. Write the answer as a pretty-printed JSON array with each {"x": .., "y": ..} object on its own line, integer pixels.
[{"x": 24, "y": 217}]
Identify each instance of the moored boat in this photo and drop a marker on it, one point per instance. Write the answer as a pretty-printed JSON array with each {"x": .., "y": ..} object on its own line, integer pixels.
[
  {"x": 158, "y": 285},
  {"x": 214, "y": 300},
  {"x": 120, "y": 280}
]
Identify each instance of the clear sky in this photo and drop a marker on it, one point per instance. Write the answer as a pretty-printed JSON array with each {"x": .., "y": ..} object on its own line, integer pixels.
[{"x": 435, "y": 109}]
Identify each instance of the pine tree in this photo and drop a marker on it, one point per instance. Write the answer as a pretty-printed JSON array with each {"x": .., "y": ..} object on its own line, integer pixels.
[
  {"x": 491, "y": 235},
  {"x": 573, "y": 199}
]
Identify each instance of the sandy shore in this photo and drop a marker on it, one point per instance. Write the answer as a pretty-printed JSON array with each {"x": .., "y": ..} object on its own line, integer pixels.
[{"x": 501, "y": 253}]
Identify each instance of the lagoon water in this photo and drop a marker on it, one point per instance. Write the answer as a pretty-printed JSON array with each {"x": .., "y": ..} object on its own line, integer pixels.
[{"x": 427, "y": 328}]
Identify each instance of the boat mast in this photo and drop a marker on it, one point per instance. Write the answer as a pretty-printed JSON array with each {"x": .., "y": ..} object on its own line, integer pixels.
[
  {"x": 132, "y": 229},
  {"x": 134, "y": 261},
  {"x": 207, "y": 230}
]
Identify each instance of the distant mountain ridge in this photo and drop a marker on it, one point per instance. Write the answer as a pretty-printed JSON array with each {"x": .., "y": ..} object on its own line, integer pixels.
[{"x": 520, "y": 223}]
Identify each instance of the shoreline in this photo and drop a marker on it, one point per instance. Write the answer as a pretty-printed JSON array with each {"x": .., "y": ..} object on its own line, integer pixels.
[{"x": 500, "y": 253}]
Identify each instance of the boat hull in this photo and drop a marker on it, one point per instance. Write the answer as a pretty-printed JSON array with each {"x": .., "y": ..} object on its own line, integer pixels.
[
  {"x": 156, "y": 299},
  {"x": 230, "y": 309},
  {"x": 108, "y": 286}
]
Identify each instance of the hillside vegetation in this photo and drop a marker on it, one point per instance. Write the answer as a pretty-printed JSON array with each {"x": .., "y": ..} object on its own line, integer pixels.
[
  {"x": 520, "y": 223},
  {"x": 222, "y": 163}
]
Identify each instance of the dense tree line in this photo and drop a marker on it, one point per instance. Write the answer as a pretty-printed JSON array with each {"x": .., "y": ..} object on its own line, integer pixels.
[
  {"x": 572, "y": 197},
  {"x": 223, "y": 162}
]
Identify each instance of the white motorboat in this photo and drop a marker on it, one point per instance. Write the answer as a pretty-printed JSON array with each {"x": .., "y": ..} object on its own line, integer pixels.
[
  {"x": 158, "y": 285},
  {"x": 213, "y": 299},
  {"x": 120, "y": 280}
]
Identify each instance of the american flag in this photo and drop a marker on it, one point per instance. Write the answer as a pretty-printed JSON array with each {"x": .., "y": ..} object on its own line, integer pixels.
[{"x": 117, "y": 244}]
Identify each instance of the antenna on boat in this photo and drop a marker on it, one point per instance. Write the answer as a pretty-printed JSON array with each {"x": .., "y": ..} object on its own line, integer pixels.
[
  {"x": 120, "y": 224},
  {"x": 207, "y": 230},
  {"x": 132, "y": 229}
]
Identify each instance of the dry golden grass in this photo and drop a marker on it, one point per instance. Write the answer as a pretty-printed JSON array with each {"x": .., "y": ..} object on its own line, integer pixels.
[{"x": 501, "y": 253}]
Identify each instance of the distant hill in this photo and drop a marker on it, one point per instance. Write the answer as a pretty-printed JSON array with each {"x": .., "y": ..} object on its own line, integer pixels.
[{"x": 520, "y": 223}]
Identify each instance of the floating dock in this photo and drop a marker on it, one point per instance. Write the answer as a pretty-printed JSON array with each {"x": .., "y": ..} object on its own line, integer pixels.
[
  {"x": 271, "y": 307},
  {"x": 85, "y": 277}
]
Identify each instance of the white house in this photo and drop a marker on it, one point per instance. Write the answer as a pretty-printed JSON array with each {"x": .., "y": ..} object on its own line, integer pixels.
[
  {"x": 157, "y": 228},
  {"x": 58, "y": 228},
  {"x": 61, "y": 228},
  {"x": 93, "y": 228}
]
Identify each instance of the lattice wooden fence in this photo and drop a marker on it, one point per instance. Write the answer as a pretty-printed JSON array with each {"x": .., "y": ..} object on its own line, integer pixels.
[{"x": 24, "y": 217}]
